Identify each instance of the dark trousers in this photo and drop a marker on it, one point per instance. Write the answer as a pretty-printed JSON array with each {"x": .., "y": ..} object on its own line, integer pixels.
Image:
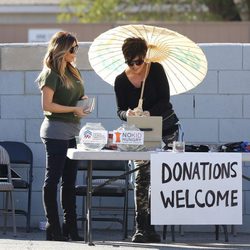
[{"x": 59, "y": 167}]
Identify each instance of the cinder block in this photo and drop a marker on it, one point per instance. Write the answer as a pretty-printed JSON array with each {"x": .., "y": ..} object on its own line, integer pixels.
[
  {"x": 247, "y": 202},
  {"x": 88, "y": 119},
  {"x": 112, "y": 123},
  {"x": 11, "y": 83},
  {"x": 31, "y": 87},
  {"x": 82, "y": 60},
  {"x": 246, "y": 172},
  {"x": 246, "y": 105},
  {"x": 21, "y": 107},
  {"x": 183, "y": 105},
  {"x": 107, "y": 106},
  {"x": 38, "y": 178},
  {"x": 37, "y": 204},
  {"x": 33, "y": 130},
  {"x": 232, "y": 130},
  {"x": 246, "y": 58},
  {"x": 218, "y": 106},
  {"x": 13, "y": 56},
  {"x": 38, "y": 154},
  {"x": 209, "y": 85},
  {"x": 108, "y": 123},
  {"x": 223, "y": 56},
  {"x": 234, "y": 82},
  {"x": 12, "y": 129},
  {"x": 95, "y": 85},
  {"x": 200, "y": 130}
]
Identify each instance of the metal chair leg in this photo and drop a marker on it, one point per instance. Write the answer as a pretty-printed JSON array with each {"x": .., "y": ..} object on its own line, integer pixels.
[
  {"x": 173, "y": 233},
  {"x": 6, "y": 211},
  {"x": 217, "y": 232},
  {"x": 233, "y": 230},
  {"x": 9, "y": 200},
  {"x": 181, "y": 230},
  {"x": 28, "y": 212},
  {"x": 164, "y": 233},
  {"x": 225, "y": 232},
  {"x": 13, "y": 213}
]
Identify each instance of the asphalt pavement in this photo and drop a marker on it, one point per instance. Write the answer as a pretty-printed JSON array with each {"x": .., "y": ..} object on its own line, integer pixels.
[{"x": 112, "y": 239}]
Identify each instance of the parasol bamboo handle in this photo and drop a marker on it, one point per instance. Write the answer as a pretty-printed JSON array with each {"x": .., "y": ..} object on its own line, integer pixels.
[
  {"x": 142, "y": 87},
  {"x": 140, "y": 103}
]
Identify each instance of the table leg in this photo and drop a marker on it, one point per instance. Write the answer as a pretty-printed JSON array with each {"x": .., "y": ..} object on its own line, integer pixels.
[{"x": 89, "y": 204}]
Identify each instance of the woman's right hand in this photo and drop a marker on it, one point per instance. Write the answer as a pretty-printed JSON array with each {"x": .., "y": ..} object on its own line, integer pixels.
[
  {"x": 130, "y": 112},
  {"x": 78, "y": 111}
]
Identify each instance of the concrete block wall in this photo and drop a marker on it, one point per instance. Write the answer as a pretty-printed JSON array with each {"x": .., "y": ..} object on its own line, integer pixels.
[{"x": 217, "y": 111}]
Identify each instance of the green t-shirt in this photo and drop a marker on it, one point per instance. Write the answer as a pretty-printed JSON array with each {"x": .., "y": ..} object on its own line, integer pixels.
[{"x": 62, "y": 95}]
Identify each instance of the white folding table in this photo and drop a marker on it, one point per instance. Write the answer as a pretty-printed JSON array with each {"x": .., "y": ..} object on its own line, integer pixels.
[{"x": 79, "y": 154}]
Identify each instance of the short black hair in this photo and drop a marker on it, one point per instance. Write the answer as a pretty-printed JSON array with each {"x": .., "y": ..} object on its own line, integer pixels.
[{"x": 133, "y": 47}]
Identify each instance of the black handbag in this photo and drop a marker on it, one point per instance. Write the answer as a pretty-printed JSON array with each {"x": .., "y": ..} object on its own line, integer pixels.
[
  {"x": 239, "y": 146},
  {"x": 196, "y": 148}
]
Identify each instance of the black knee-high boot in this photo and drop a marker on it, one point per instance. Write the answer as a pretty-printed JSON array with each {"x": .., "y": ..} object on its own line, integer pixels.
[
  {"x": 144, "y": 231},
  {"x": 140, "y": 232},
  {"x": 69, "y": 227},
  {"x": 152, "y": 236},
  {"x": 53, "y": 228}
]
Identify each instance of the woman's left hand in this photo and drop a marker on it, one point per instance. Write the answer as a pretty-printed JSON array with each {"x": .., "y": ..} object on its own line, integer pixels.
[{"x": 84, "y": 97}]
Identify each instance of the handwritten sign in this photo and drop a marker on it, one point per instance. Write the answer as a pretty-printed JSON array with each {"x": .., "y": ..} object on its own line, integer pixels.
[{"x": 196, "y": 188}]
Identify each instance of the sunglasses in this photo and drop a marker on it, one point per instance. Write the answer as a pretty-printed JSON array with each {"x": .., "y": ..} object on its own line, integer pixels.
[
  {"x": 131, "y": 63},
  {"x": 73, "y": 50}
]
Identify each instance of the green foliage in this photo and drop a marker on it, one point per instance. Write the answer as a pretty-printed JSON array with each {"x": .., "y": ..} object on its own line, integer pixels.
[
  {"x": 94, "y": 11},
  {"x": 90, "y": 11}
]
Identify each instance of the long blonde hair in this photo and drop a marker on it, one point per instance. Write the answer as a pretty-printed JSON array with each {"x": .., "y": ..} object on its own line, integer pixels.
[{"x": 59, "y": 44}]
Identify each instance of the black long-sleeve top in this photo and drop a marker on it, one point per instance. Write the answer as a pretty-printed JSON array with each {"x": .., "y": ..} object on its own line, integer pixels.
[{"x": 156, "y": 97}]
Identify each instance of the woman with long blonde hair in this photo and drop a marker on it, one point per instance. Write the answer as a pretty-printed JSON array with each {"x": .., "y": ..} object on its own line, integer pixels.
[{"x": 61, "y": 87}]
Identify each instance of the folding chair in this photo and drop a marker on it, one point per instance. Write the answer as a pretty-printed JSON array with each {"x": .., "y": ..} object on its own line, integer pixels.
[
  {"x": 102, "y": 172},
  {"x": 21, "y": 157},
  {"x": 7, "y": 187}
]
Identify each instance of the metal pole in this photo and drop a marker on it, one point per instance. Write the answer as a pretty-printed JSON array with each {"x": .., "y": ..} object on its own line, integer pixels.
[{"x": 89, "y": 204}]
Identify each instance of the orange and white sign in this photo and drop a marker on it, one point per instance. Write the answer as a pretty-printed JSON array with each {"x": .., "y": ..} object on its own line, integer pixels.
[{"x": 128, "y": 137}]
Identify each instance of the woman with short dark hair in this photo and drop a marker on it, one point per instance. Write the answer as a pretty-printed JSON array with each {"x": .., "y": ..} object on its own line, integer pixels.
[{"x": 156, "y": 102}]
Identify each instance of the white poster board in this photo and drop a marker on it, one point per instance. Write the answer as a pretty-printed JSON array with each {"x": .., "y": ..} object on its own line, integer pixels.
[{"x": 196, "y": 188}]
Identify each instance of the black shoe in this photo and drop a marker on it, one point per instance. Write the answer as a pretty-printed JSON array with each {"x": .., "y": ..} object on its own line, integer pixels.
[
  {"x": 71, "y": 232},
  {"x": 53, "y": 232},
  {"x": 142, "y": 236},
  {"x": 139, "y": 237},
  {"x": 153, "y": 237}
]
